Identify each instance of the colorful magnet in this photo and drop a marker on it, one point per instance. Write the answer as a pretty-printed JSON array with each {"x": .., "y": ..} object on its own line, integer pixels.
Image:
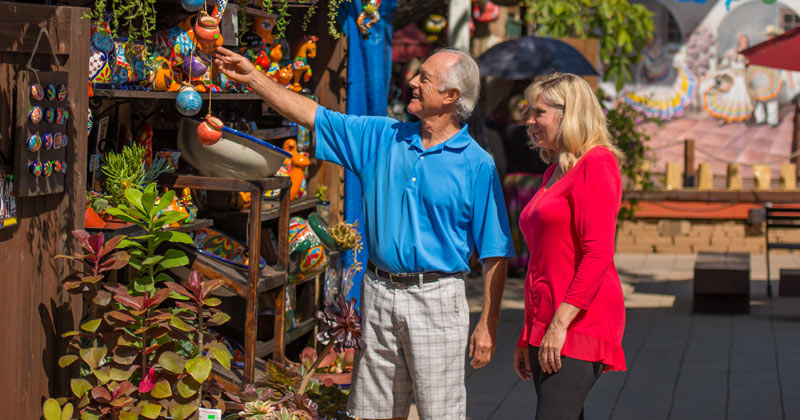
[
  {"x": 61, "y": 115},
  {"x": 64, "y": 140},
  {"x": 62, "y": 93},
  {"x": 34, "y": 143},
  {"x": 57, "y": 166},
  {"x": 63, "y": 167},
  {"x": 47, "y": 168},
  {"x": 35, "y": 168},
  {"x": 35, "y": 114},
  {"x": 57, "y": 137},
  {"x": 37, "y": 91},
  {"x": 50, "y": 93},
  {"x": 49, "y": 115},
  {"x": 47, "y": 141}
]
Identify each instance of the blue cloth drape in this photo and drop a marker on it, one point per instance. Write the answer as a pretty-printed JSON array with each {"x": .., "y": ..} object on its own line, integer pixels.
[{"x": 369, "y": 69}]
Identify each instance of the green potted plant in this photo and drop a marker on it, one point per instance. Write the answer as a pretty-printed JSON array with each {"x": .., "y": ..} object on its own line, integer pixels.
[{"x": 323, "y": 205}]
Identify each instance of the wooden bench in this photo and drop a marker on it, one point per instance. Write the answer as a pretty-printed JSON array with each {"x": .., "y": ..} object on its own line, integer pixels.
[
  {"x": 721, "y": 282},
  {"x": 779, "y": 218}
]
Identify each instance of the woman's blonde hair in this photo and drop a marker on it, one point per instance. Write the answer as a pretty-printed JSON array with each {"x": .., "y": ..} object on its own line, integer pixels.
[{"x": 583, "y": 122}]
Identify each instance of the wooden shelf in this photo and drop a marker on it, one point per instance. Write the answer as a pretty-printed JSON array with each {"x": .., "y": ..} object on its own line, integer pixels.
[
  {"x": 270, "y": 210},
  {"x": 148, "y": 94},
  {"x": 133, "y": 230},
  {"x": 236, "y": 280},
  {"x": 223, "y": 184},
  {"x": 264, "y": 348}
]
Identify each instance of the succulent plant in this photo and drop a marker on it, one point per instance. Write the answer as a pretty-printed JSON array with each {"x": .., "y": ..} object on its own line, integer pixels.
[{"x": 344, "y": 324}]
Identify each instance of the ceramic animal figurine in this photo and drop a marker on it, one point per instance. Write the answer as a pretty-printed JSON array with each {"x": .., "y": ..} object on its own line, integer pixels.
[
  {"x": 262, "y": 26},
  {"x": 298, "y": 163},
  {"x": 369, "y": 16},
  {"x": 284, "y": 76},
  {"x": 275, "y": 57},
  {"x": 305, "y": 49},
  {"x": 162, "y": 77}
]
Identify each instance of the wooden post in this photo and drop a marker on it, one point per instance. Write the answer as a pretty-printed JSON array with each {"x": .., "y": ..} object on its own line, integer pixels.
[
  {"x": 796, "y": 136},
  {"x": 689, "y": 172},
  {"x": 253, "y": 269}
]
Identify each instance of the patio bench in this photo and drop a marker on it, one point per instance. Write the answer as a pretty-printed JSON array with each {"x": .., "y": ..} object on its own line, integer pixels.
[
  {"x": 781, "y": 218},
  {"x": 721, "y": 282}
]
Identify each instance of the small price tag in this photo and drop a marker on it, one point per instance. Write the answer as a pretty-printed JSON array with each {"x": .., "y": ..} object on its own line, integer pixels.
[{"x": 210, "y": 414}]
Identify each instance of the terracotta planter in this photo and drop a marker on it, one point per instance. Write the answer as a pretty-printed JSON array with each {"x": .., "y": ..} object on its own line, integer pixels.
[
  {"x": 206, "y": 30},
  {"x": 112, "y": 222},
  {"x": 210, "y": 131}
]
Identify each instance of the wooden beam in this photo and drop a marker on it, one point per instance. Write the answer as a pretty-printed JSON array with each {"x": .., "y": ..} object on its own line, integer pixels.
[{"x": 715, "y": 196}]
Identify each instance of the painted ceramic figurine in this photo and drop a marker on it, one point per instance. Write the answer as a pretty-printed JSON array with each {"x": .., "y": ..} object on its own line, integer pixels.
[
  {"x": 284, "y": 76},
  {"x": 369, "y": 16},
  {"x": 297, "y": 164},
  {"x": 262, "y": 26},
  {"x": 307, "y": 255},
  {"x": 305, "y": 49}
]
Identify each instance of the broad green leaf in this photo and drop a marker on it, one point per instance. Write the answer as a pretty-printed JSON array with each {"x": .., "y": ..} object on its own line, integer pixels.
[
  {"x": 67, "y": 360},
  {"x": 168, "y": 217},
  {"x": 221, "y": 353},
  {"x": 91, "y": 279},
  {"x": 125, "y": 355},
  {"x": 134, "y": 197},
  {"x": 51, "y": 409},
  {"x": 174, "y": 258},
  {"x": 122, "y": 216},
  {"x": 127, "y": 415},
  {"x": 153, "y": 260},
  {"x": 150, "y": 411},
  {"x": 86, "y": 415},
  {"x": 103, "y": 374},
  {"x": 102, "y": 298},
  {"x": 70, "y": 334},
  {"x": 149, "y": 202},
  {"x": 172, "y": 362},
  {"x": 93, "y": 356},
  {"x": 127, "y": 243},
  {"x": 92, "y": 325},
  {"x": 183, "y": 411},
  {"x": 220, "y": 318},
  {"x": 187, "y": 387},
  {"x": 67, "y": 411},
  {"x": 179, "y": 237},
  {"x": 164, "y": 201},
  {"x": 199, "y": 368},
  {"x": 179, "y": 324},
  {"x": 161, "y": 390},
  {"x": 80, "y": 387},
  {"x": 212, "y": 302},
  {"x": 117, "y": 374}
]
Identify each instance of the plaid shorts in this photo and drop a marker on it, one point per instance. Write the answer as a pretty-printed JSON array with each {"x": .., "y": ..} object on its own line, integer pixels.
[{"x": 416, "y": 339}]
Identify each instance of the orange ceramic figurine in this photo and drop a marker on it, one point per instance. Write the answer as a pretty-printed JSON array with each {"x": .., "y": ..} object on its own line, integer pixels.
[
  {"x": 275, "y": 56},
  {"x": 305, "y": 49},
  {"x": 284, "y": 76},
  {"x": 299, "y": 162}
]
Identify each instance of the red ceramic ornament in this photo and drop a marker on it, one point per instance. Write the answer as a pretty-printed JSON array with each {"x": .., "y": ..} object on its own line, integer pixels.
[
  {"x": 206, "y": 29},
  {"x": 210, "y": 131}
]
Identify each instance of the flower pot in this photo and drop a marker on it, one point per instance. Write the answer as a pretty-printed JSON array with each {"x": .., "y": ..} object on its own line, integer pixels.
[
  {"x": 210, "y": 131},
  {"x": 188, "y": 101},
  {"x": 206, "y": 30}
]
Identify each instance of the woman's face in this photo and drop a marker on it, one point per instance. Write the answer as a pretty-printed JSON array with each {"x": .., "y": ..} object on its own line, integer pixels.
[{"x": 543, "y": 123}]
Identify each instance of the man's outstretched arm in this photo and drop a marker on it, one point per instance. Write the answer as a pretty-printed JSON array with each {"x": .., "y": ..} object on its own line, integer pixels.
[{"x": 291, "y": 105}]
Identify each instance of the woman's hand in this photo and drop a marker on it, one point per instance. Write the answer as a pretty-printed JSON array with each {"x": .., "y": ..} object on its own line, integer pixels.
[
  {"x": 236, "y": 67},
  {"x": 522, "y": 363},
  {"x": 550, "y": 349}
]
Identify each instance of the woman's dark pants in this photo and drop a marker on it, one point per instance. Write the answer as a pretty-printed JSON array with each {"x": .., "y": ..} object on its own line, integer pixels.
[{"x": 560, "y": 396}]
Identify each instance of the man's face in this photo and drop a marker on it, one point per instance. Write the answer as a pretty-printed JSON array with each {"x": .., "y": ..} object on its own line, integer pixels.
[{"x": 426, "y": 100}]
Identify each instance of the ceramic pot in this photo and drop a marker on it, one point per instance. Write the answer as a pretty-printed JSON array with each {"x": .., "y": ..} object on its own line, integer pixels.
[
  {"x": 307, "y": 255},
  {"x": 192, "y": 5},
  {"x": 210, "y": 131},
  {"x": 206, "y": 30},
  {"x": 196, "y": 65},
  {"x": 188, "y": 101}
]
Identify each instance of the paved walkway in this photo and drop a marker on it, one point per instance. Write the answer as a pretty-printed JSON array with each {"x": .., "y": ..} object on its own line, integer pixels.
[{"x": 680, "y": 365}]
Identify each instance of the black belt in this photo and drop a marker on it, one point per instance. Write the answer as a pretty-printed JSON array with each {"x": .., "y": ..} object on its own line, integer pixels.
[{"x": 409, "y": 278}]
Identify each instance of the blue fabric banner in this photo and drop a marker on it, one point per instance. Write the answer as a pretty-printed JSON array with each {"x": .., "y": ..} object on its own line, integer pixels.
[{"x": 369, "y": 69}]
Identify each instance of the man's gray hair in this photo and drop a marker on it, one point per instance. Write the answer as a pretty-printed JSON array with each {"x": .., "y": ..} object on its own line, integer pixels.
[{"x": 463, "y": 75}]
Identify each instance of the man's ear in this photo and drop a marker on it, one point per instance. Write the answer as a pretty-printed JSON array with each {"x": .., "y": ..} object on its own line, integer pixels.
[{"x": 451, "y": 96}]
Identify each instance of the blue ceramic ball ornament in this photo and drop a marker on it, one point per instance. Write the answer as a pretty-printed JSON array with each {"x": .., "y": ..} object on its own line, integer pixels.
[
  {"x": 192, "y": 5},
  {"x": 188, "y": 101}
]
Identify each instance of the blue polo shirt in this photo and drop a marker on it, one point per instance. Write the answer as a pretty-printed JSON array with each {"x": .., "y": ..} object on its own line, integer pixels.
[{"x": 423, "y": 209}]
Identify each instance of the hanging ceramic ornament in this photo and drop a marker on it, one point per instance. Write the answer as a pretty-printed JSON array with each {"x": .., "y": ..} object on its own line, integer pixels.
[
  {"x": 192, "y": 5},
  {"x": 188, "y": 101},
  {"x": 210, "y": 131},
  {"x": 196, "y": 64},
  {"x": 206, "y": 29},
  {"x": 37, "y": 91}
]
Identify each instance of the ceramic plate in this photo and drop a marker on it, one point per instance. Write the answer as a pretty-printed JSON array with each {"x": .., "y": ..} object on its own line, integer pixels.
[{"x": 222, "y": 247}]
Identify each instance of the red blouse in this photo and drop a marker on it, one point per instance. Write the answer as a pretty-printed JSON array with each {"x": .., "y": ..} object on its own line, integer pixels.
[{"x": 569, "y": 228}]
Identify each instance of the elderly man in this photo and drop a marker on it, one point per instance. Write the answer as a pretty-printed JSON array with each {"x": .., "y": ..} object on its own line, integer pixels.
[{"x": 430, "y": 195}]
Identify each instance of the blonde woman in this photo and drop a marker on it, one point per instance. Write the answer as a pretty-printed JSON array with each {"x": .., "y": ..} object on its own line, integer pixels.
[{"x": 574, "y": 310}]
